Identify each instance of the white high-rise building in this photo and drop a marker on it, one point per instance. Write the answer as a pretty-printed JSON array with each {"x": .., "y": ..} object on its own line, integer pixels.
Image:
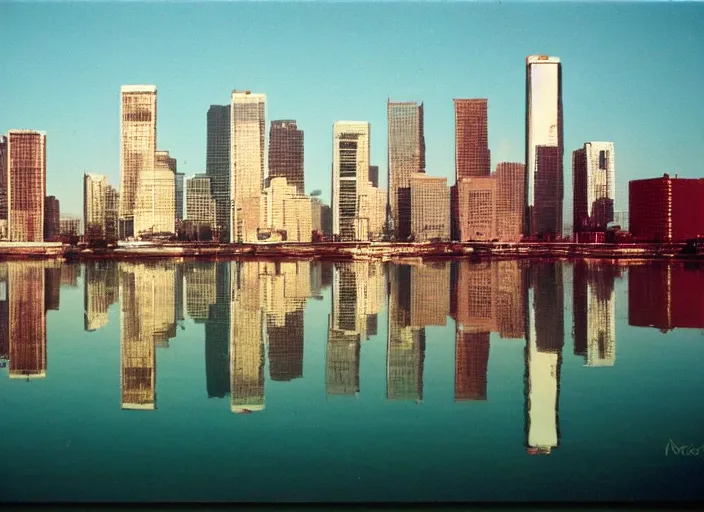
[
  {"x": 544, "y": 147},
  {"x": 247, "y": 136},
  {"x": 350, "y": 176},
  {"x": 137, "y": 147},
  {"x": 155, "y": 211}
]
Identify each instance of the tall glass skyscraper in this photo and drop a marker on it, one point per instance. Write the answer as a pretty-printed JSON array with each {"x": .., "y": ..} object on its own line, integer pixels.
[
  {"x": 217, "y": 165},
  {"x": 406, "y": 157},
  {"x": 544, "y": 147},
  {"x": 594, "y": 186}
]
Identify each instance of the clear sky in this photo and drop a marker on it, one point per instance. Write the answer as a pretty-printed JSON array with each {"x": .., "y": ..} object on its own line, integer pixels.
[{"x": 632, "y": 74}]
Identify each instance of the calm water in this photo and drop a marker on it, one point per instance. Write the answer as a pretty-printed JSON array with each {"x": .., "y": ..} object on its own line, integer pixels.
[{"x": 350, "y": 382}]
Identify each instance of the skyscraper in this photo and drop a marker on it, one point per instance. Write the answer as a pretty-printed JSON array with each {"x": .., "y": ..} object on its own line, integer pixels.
[
  {"x": 112, "y": 212},
  {"x": 374, "y": 175},
  {"x": 472, "y": 157},
  {"x": 594, "y": 186},
  {"x": 3, "y": 187},
  {"x": 475, "y": 208},
  {"x": 26, "y": 185},
  {"x": 52, "y": 219},
  {"x": 510, "y": 199},
  {"x": 247, "y": 166},
  {"x": 94, "y": 195},
  {"x": 286, "y": 153},
  {"x": 350, "y": 176},
  {"x": 544, "y": 147},
  {"x": 179, "y": 182},
  {"x": 217, "y": 164},
  {"x": 406, "y": 157},
  {"x": 137, "y": 147}
]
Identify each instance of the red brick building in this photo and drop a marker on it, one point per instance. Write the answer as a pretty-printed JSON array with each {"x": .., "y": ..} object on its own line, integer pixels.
[{"x": 666, "y": 209}]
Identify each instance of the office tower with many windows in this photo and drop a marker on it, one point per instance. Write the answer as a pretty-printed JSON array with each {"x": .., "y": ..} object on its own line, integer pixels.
[
  {"x": 52, "y": 219},
  {"x": 666, "y": 209},
  {"x": 510, "y": 199},
  {"x": 472, "y": 157},
  {"x": 594, "y": 186},
  {"x": 112, "y": 212},
  {"x": 200, "y": 205},
  {"x": 179, "y": 179},
  {"x": 286, "y": 153},
  {"x": 137, "y": 148},
  {"x": 350, "y": 176},
  {"x": 287, "y": 213},
  {"x": 247, "y": 133},
  {"x": 217, "y": 165},
  {"x": 544, "y": 147},
  {"x": 26, "y": 185},
  {"x": 406, "y": 157},
  {"x": 430, "y": 208},
  {"x": 475, "y": 208},
  {"x": 3, "y": 187},
  {"x": 94, "y": 195},
  {"x": 156, "y": 201}
]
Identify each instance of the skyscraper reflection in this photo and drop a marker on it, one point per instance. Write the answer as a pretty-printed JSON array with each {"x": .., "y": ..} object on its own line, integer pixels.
[
  {"x": 146, "y": 319},
  {"x": 405, "y": 350},
  {"x": 543, "y": 357},
  {"x": 70, "y": 274},
  {"x": 99, "y": 292},
  {"x": 27, "y": 319},
  {"x": 52, "y": 288},
  {"x": 286, "y": 286},
  {"x": 200, "y": 288},
  {"x": 247, "y": 341},
  {"x": 217, "y": 335},
  {"x": 4, "y": 317},
  {"x": 594, "y": 312}
]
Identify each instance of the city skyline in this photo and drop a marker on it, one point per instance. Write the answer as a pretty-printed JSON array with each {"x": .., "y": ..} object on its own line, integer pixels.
[{"x": 595, "y": 109}]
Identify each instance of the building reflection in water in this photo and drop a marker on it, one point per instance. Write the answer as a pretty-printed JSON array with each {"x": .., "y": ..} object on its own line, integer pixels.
[
  {"x": 52, "y": 287},
  {"x": 217, "y": 335},
  {"x": 70, "y": 274},
  {"x": 543, "y": 357},
  {"x": 147, "y": 318},
  {"x": 594, "y": 312},
  {"x": 247, "y": 339},
  {"x": 23, "y": 319},
  {"x": 100, "y": 291},
  {"x": 200, "y": 288},
  {"x": 487, "y": 297},
  {"x": 405, "y": 349},
  {"x": 666, "y": 296},
  {"x": 285, "y": 287}
]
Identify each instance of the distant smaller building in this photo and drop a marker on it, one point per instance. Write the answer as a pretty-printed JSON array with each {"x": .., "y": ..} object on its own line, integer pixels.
[
  {"x": 666, "y": 209},
  {"x": 200, "y": 205},
  {"x": 52, "y": 219},
  {"x": 374, "y": 175},
  {"x": 69, "y": 225},
  {"x": 430, "y": 208},
  {"x": 286, "y": 212}
]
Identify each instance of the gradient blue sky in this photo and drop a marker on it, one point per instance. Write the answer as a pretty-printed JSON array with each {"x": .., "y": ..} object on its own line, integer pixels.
[{"x": 632, "y": 74}]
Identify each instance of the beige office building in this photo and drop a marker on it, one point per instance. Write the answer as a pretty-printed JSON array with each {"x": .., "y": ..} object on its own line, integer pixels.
[
  {"x": 200, "y": 205},
  {"x": 247, "y": 133},
  {"x": 430, "y": 208},
  {"x": 155, "y": 211},
  {"x": 137, "y": 148}
]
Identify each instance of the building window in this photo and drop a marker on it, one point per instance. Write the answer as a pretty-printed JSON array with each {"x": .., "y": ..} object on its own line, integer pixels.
[{"x": 603, "y": 160}]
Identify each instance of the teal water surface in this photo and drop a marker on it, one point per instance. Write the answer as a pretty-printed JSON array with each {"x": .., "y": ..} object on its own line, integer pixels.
[{"x": 360, "y": 381}]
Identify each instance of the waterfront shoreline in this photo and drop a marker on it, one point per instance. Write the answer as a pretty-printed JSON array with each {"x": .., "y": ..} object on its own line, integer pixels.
[{"x": 352, "y": 251}]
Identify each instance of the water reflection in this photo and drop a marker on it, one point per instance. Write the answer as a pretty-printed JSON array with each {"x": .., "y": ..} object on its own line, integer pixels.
[{"x": 253, "y": 314}]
